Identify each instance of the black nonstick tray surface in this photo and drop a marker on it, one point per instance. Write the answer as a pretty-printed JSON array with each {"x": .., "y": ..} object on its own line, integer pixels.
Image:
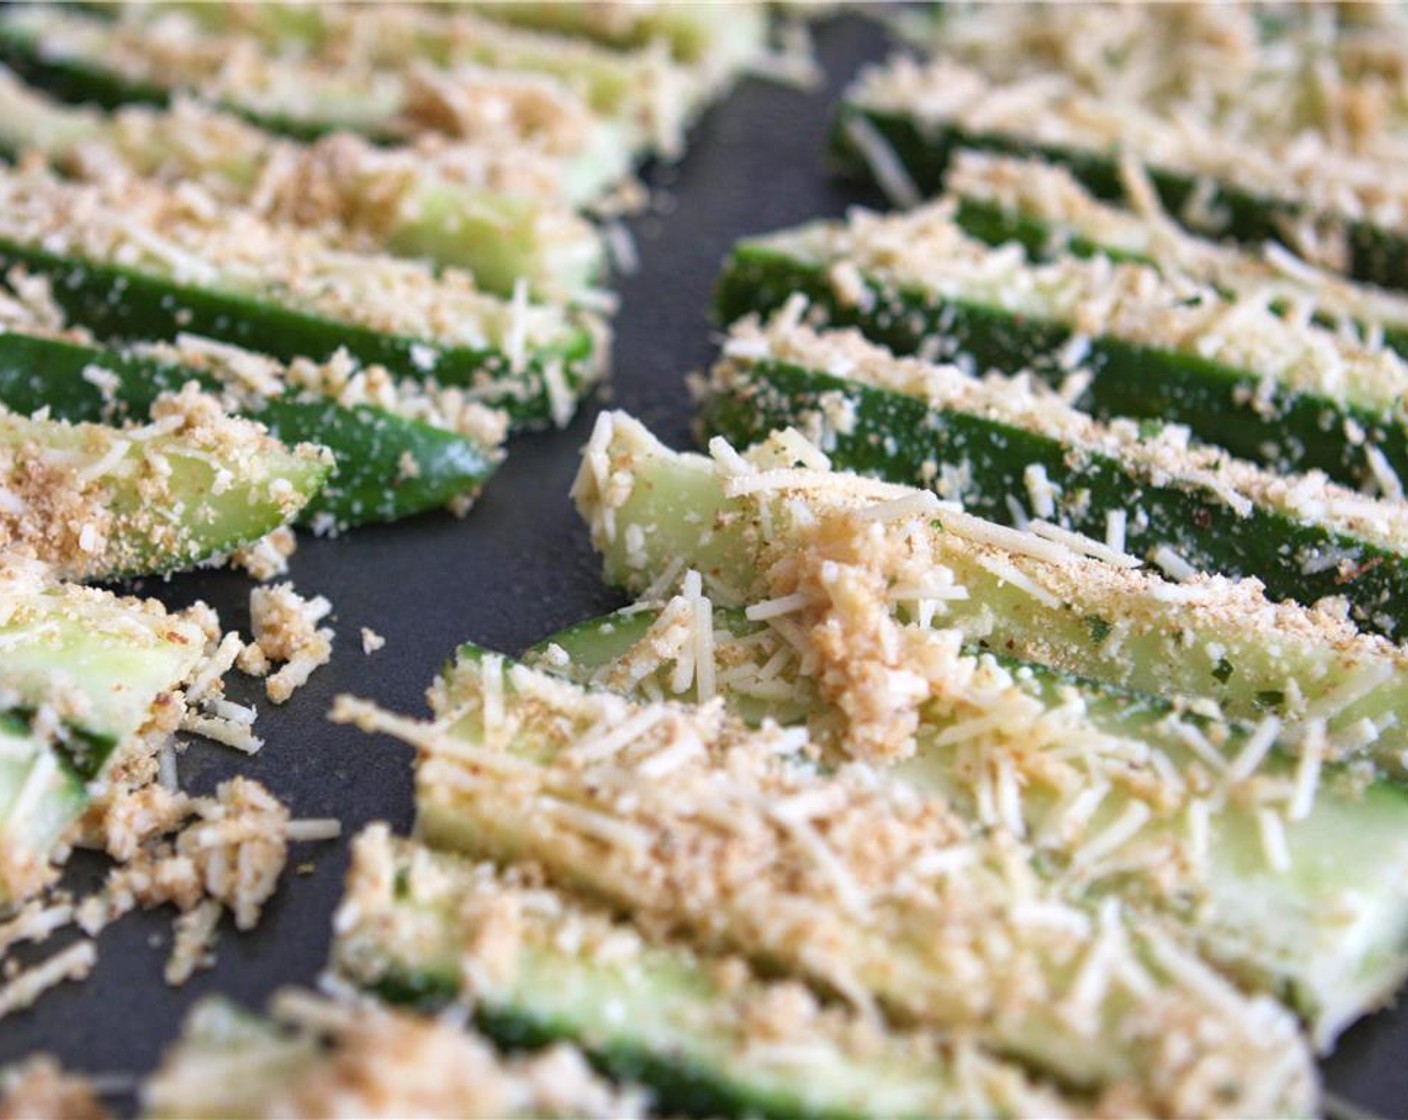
[{"x": 517, "y": 568}]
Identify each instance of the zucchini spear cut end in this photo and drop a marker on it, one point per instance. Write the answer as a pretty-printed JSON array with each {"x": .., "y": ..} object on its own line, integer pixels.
[
  {"x": 101, "y": 503},
  {"x": 100, "y": 661},
  {"x": 702, "y": 1034},
  {"x": 84, "y": 674},
  {"x": 390, "y": 463}
]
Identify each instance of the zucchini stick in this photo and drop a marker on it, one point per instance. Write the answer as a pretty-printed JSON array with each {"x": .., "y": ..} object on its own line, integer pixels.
[
  {"x": 85, "y": 58},
  {"x": 702, "y": 1034},
  {"x": 1336, "y": 74},
  {"x": 644, "y": 90},
  {"x": 465, "y": 207},
  {"x": 1049, "y": 211},
  {"x": 101, "y": 503},
  {"x": 135, "y": 260},
  {"x": 901, "y": 125},
  {"x": 1062, "y": 601},
  {"x": 681, "y": 818},
  {"x": 330, "y": 69},
  {"x": 399, "y": 449},
  {"x": 1256, "y": 867},
  {"x": 1010, "y": 450},
  {"x": 531, "y": 117},
  {"x": 1121, "y": 339}
]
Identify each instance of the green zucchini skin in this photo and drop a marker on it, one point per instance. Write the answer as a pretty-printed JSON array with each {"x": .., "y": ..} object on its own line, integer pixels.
[
  {"x": 895, "y": 435},
  {"x": 123, "y": 303},
  {"x": 997, "y": 225},
  {"x": 680, "y": 501},
  {"x": 1376, "y": 255},
  {"x": 1298, "y": 432},
  {"x": 74, "y": 81},
  {"x": 682, "y": 1032},
  {"x": 368, "y": 443}
]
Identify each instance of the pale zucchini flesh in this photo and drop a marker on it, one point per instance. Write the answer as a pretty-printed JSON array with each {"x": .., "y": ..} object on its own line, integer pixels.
[{"x": 310, "y": 1056}]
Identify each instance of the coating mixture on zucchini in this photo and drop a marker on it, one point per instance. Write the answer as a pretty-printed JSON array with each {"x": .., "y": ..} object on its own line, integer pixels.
[
  {"x": 1335, "y": 71},
  {"x": 762, "y": 528},
  {"x": 643, "y": 89},
  {"x": 192, "y": 485},
  {"x": 38, "y": 1086},
  {"x": 136, "y": 260},
  {"x": 401, "y": 446},
  {"x": 1121, "y": 793},
  {"x": 1005, "y": 198},
  {"x": 685, "y": 820},
  {"x": 1120, "y": 338},
  {"x": 902, "y": 122},
  {"x": 703, "y": 1035},
  {"x": 492, "y": 209},
  {"x": 87, "y": 680},
  {"x": 1013, "y": 450},
  {"x": 317, "y": 69}
]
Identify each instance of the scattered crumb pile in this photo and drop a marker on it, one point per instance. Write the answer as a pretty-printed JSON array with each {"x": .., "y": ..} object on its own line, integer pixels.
[
  {"x": 286, "y": 630},
  {"x": 203, "y": 855}
]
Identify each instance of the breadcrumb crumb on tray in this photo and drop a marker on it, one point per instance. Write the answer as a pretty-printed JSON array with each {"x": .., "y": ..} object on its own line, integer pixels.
[
  {"x": 286, "y": 630},
  {"x": 72, "y": 963}
]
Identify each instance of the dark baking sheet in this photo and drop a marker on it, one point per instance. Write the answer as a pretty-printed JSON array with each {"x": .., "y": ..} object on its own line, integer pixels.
[{"x": 518, "y": 567}]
